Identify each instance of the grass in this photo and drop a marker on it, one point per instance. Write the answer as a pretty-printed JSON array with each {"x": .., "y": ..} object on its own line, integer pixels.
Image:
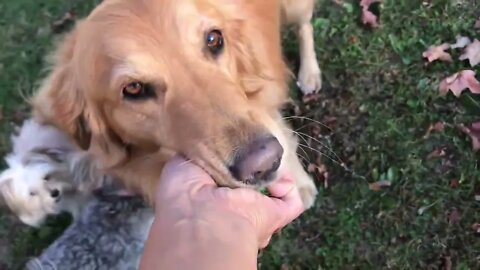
[{"x": 379, "y": 97}]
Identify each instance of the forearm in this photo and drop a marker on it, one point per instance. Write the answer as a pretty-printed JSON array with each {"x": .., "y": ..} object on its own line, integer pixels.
[{"x": 200, "y": 244}]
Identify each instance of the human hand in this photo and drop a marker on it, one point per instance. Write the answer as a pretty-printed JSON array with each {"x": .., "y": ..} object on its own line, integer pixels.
[{"x": 186, "y": 193}]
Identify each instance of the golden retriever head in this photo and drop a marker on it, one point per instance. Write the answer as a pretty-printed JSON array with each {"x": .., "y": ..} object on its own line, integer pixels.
[{"x": 202, "y": 78}]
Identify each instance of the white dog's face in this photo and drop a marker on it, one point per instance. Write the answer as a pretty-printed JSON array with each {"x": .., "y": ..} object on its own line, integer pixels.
[{"x": 33, "y": 187}]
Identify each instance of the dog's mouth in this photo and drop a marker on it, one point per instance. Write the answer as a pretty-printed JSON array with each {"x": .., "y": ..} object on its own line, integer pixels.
[{"x": 255, "y": 165}]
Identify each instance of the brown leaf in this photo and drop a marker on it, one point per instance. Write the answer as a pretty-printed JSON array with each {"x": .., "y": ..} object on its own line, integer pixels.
[
  {"x": 312, "y": 168},
  {"x": 353, "y": 40},
  {"x": 454, "y": 183},
  {"x": 437, "y": 153},
  {"x": 311, "y": 97},
  {"x": 477, "y": 23},
  {"x": 472, "y": 53},
  {"x": 316, "y": 130},
  {"x": 59, "y": 25},
  {"x": 320, "y": 170},
  {"x": 368, "y": 18},
  {"x": 438, "y": 53},
  {"x": 378, "y": 186},
  {"x": 453, "y": 216},
  {"x": 476, "y": 228},
  {"x": 436, "y": 127},
  {"x": 330, "y": 121},
  {"x": 474, "y": 132},
  {"x": 447, "y": 263},
  {"x": 459, "y": 82},
  {"x": 461, "y": 42},
  {"x": 367, "y": 3},
  {"x": 291, "y": 104}
]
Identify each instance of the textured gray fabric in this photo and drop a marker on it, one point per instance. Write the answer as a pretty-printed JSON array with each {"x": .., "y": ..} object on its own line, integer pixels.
[{"x": 110, "y": 234}]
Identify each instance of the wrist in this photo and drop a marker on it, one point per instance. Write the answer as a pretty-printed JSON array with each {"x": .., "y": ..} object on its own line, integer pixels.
[
  {"x": 218, "y": 239},
  {"x": 213, "y": 223}
]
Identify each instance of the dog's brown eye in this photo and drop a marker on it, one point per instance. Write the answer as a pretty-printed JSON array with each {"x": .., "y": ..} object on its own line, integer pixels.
[
  {"x": 32, "y": 193},
  {"x": 138, "y": 90},
  {"x": 46, "y": 177},
  {"x": 214, "y": 41},
  {"x": 134, "y": 88}
]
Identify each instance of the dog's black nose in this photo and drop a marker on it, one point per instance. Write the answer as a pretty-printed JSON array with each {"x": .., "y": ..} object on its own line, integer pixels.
[
  {"x": 55, "y": 193},
  {"x": 257, "y": 161}
]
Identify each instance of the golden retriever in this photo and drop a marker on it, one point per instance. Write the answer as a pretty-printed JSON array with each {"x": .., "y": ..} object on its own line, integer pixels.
[{"x": 138, "y": 81}]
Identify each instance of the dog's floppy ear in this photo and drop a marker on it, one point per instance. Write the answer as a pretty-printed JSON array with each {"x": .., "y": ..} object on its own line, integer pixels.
[
  {"x": 62, "y": 102},
  {"x": 257, "y": 51},
  {"x": 59, "y": 100}
]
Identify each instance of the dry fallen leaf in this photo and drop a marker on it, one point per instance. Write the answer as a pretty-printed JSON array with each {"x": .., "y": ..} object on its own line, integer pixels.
[
  {"x": 316, "y": 130},
  {"x": 320, "y": 170},
  {"x": 476, "y": 228},
  {"x": 368, "y": 18},
  {"x": 292, "y": 105},
  {"x": 353, "y": 40},
  {"x": 454, "y": 183},
  {"x": 367, "y": 3},
  {"x": 461, "y": 42},
  {"x": 447, "y": 263},
  {"x": 460, "y": 81},
  {"x": 312, "y": 168},
  {"x": 472, "y": 53},
  {"x": 437, "y": 127},
  {"x": 329, "y": 121},
  {"x": 311, "y": 97},
  {"x": 377, "y": 186},
  {"x": 474, "y": 132},
  {"x": 453, "y": 216},
  {"x": 437, "y": 153},
  {"x": 59, "y": 25},
  {"x": 438, "y": 53}
]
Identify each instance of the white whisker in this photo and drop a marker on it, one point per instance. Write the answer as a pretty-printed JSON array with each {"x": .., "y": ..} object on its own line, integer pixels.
[{"x": 307, "y": 118}]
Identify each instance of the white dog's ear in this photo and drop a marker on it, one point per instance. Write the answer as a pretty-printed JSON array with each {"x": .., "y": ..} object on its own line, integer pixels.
[{"x": 57, "y": 155}]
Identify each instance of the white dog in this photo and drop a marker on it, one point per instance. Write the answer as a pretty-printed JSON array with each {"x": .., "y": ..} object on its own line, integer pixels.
[{"x": 47, "y": 174}]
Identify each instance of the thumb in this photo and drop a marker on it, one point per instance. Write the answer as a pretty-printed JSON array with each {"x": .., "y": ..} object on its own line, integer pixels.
[
  {"x": 269, "y": 214},
  {"x": 180, "y": 174},
  {"x": 286, "y": 201}
]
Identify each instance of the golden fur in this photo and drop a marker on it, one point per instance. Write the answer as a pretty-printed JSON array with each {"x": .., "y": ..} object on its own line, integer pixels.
[{"x": 205, "y": 107}]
